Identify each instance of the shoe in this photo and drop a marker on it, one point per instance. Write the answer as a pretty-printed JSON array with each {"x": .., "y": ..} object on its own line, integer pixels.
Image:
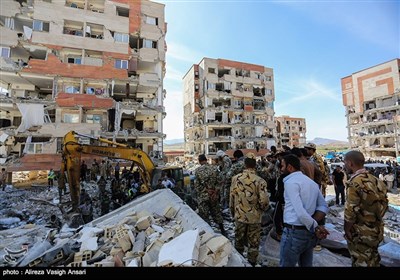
[{"x": 317, "y": 248}]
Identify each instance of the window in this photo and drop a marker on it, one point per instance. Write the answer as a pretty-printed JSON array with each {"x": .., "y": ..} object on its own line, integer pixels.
[
  {"x": 269, "y": 91},
  {"x": 39, "y": 25},
  {"x": 93, "y": 118},
  {"x": 120, "y": 37},
  {"x": 121, "y": 64},
  {"x": 211, "y": 70},
  {"x": 74, "y": 60},
  {"x": 151, "y": 20},
  {"x": 72, "y": 89},
  {"x": 34, "y": 148},
  {"x": 149, "y": 44},
  {"x": 122, "y": 12},
  {"x": 5, "y": 52},
  {"x": 71, "y": 118},
  {"x": 268, "y": 78}
]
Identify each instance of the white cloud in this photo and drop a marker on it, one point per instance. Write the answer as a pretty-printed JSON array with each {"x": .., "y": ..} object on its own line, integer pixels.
[
  {"x": 303, "y": 90},
  {"x": 173, "y": 74},
  {"x": 183, "y": 53}
]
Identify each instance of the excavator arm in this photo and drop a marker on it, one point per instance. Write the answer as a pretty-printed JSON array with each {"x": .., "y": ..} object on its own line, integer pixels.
[{"x": 73, "y": 150}]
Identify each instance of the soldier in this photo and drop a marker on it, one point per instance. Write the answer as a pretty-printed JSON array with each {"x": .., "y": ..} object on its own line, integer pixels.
[
  {"x": 225, "y": 165},
  {"x": 248, "y": 200},
  {"x": 314, "y": 157},
  {"x": 236, "y": 168},
  {"x": 208, "y": 192},
  {"x": 363, "y": 216}
]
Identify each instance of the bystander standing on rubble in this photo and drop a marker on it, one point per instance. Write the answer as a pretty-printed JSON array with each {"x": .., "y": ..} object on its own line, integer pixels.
[
  {"x": 3, "y": 177},
  {"x": 248, "y": 200},
  {"x": 208, "y": 193},
  {"x": 304, "y": 207},
  {"x": 338, "y": 183},
  {"x": 50, "y": 178},
  {"x": 363, "y": 216},
  {"x": 389, "y": 178},
  {"x": 83, "y": 171},
  {"x": 225, "y": 165}
]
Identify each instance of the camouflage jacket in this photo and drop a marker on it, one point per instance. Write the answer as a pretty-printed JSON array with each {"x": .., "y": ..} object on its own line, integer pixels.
[
  {"x": 317, "y": 159},
  {"x": 366, "y": 204},
  {"x": 248, "y": 197},
  {"x": 206, "y": 179},
  {"x": 236, "y": 168}
]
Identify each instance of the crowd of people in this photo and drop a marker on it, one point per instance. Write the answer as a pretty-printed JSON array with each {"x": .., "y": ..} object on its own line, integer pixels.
[{"x": 295, "y": 182}]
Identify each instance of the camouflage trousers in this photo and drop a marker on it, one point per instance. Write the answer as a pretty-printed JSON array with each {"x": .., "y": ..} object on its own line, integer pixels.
[
  {"x": 207, "y": 207},
  {"x": 248, "y": 234},
  {"x": 364, "y": 253}
]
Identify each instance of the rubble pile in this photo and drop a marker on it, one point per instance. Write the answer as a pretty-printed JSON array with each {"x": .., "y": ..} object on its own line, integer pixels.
[{"x": 174, "y": 236}]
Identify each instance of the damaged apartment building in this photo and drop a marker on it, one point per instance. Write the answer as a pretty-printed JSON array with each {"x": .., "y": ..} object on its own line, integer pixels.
[
  {"x": 290, "y": 131},
  {"x": 228, "y": 105},
  {"x": 92, "y": 66},
  {"x": 372, "y": 100}
]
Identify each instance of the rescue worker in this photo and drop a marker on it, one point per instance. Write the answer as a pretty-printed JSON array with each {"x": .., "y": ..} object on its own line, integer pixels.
[
  {"x": 54, "y": 222},
  {"x": 208, "y": 192},
  {"x": 50, "y": 178},
  {"x": 61, "y": 185},
  {"x": 248, "y": 200},
  {"x": 365, "y": 207}
]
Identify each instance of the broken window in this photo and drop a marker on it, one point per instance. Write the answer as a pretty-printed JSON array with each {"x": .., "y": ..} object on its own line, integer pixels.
[
  {"x": 222, "y": 72},
  {"x": 34, "y": 148},
  {"x": 121, "y": 64},
  {"x": 268, "y": 78},
  {"x": 74, "y": 60},
  {"x": 151, "y": 20},
  {"x": 122, "y": 12},
  {"x": 211, "y": 70}
]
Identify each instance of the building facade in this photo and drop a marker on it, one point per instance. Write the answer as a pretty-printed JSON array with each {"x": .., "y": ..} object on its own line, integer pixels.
[
  {"x": 92, "y": 66},
  {"x": 290, "y": 131},
  {"x": 228, "y": 105},
  {"x": 372, "y": 100}
]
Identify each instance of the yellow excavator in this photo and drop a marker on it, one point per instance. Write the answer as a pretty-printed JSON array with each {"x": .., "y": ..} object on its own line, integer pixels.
[{"x": 150, "y": 174}]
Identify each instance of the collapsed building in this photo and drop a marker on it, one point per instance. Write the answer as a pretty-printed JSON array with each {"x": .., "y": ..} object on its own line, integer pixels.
[
  {"x": 92, "y": 66},
  {"x": 290, "y": 131},
  {"x": 228, "y": 105},
  {"x": 372, "y": 100}
]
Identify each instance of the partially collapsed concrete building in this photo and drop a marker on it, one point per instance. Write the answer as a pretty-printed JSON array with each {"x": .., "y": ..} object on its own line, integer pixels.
[
  {"x": 290, "y": 131},
  {"x": 228, "y": 105},
  {"x": 93, "y": 66},
  {"x": 372, "y": 100}
]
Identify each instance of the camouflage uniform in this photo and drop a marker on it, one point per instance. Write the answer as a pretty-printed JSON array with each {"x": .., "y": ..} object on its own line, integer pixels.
[
  {"x": 225, "y": 165},
  {"x": 317, "y": 159},
  {"x": 365, "y": 206},
  {"x": 236, "y": 169},
  {"x": 248, "y": 200},
  {"x": 205, "y": 183}
]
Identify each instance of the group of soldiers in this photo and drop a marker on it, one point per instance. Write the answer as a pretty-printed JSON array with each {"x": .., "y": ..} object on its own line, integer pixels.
[{"x": 247, "y": 186}]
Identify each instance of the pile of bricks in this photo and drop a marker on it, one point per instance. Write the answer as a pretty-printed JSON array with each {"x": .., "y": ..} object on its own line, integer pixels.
[{"x": 141, "y": 239}]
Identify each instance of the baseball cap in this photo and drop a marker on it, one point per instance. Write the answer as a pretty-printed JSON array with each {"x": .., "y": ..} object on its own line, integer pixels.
[{"x": 310, "y": 146}]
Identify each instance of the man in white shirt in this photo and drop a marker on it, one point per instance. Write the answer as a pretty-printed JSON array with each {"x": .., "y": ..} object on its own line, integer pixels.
[{"x": 304, "y": 207}]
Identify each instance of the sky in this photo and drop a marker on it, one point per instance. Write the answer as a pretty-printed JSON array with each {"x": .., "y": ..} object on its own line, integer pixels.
[{"x": 310, "y": 45}]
